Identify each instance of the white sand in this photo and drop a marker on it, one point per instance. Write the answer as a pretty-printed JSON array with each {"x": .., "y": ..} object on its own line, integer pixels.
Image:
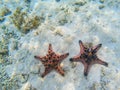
[{"x": 89, "y": 24}]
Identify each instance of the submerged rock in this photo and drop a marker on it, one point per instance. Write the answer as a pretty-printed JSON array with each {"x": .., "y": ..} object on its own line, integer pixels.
[{"x": 24, "y": 22}]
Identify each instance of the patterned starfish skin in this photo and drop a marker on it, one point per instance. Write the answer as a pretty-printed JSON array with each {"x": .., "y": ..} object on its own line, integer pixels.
[
  {"x": 52, "y": 61},
  {"x": 88, "y": 57}
]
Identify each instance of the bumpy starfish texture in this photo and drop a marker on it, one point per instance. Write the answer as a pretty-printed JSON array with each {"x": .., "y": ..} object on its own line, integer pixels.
[
  {"x": 52, "y": 61},
  {"x": 88, "y": 57}
]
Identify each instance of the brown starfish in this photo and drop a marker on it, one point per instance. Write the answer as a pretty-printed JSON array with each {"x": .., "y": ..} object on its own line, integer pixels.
[
  {"x": 88, "y": 57},
  {"x": 52, "y": 61}
]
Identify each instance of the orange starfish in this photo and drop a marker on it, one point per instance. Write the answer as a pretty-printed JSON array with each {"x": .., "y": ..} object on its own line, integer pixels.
[
  {"x": 88, "y": 57},
  {"x": 52, "y": 61}
]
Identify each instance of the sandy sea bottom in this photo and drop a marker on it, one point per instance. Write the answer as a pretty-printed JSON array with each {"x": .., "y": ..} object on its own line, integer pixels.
[{"x": 28, "y": 26}]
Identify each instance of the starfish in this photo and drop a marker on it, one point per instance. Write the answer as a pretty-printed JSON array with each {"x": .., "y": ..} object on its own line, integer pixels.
[
  {"x": 88, "y": 57},
  {"x": 52, "y": 61}
]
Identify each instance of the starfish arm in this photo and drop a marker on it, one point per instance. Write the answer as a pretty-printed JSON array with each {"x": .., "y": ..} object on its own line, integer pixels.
[
  {"x": 98, "y": 61},
  {"x": 47, "y": 70},
  {"x": 81, "y": 47},
  {"x": 75, "y": 58},
  {"x": 40, "y": 58},
  {"x": 50, "y": 49},
  {"x": 96, "y": 48},
  {"x": 86, "y": 69},
  {"x": 63, "y": 56},
  {"x": 59, "y": 70}
]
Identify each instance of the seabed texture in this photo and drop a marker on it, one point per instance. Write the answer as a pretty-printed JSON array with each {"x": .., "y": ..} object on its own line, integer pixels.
[{"x": 28, "y": 26}]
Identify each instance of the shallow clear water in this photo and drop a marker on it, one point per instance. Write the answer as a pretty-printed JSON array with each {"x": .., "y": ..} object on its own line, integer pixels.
[{"x": 27, "y": 27}]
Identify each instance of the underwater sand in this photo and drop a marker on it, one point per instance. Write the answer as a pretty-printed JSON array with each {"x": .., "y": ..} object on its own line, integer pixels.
[{"x": 28, "y": 26}]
